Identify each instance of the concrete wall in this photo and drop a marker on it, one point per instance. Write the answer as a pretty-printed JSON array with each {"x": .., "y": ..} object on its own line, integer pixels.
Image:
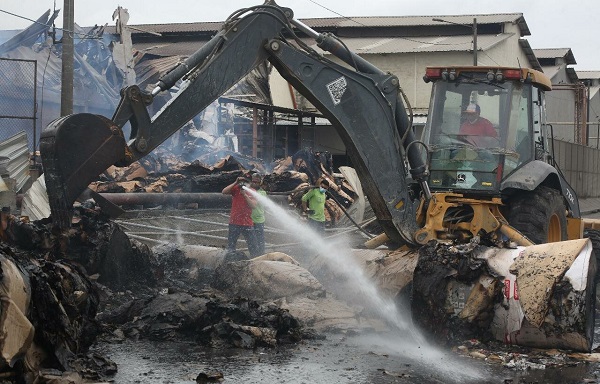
[
  {"x": 580, "y": 165},
  {"x": 410, "y": 67},
  {"x": 560, "y": 107}
]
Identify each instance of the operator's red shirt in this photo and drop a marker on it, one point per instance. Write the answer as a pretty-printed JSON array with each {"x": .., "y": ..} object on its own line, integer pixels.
[
  {"x": 241, "y": 212},
  {"x": 481, "y": 127}
]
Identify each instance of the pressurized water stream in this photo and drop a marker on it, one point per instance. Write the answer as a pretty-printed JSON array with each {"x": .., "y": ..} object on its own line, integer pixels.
[{"x": 409, "y": 342}]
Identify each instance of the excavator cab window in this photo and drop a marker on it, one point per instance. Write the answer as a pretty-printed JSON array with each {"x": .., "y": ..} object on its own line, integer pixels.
[
  {"x": 540, "y": 135},
  {"x": 478, "y": 132}
]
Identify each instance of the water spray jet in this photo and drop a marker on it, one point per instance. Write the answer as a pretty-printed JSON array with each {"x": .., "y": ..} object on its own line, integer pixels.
[
  {"x": 415, "y": 346},
  {"x": 338, "y": 259}
]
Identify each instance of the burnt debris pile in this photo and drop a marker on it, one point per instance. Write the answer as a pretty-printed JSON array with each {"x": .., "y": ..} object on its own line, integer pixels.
[
  {"x": 442, "y": 311},
  {"x": 207, "y": 317},
  {"x": 163, "y": 171},
  {"x": 65, "y": 291}
]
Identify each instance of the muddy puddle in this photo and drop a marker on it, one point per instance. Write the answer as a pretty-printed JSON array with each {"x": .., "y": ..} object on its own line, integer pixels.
[{"x": 337, "y": 359}]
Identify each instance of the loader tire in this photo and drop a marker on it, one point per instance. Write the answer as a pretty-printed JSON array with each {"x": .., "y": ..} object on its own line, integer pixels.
[{"x": 540, "y": 215}]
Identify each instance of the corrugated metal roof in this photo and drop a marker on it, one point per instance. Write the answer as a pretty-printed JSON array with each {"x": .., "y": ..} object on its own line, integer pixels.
[
  {"x": 588, "y": 75},
  {"x": 552, "y": 53},
  {"x": 212, "y": 26},
  {"x": 183, "y": 48},
  {"x": 361, "y": 45},
  {"x": 533, "y": 60},
  {"x": 396, "y": 21},
  {"x": 348, "y": 22},
  {"x": 14, "y": 159},
  {"x": 35, "y": 203},
  {"x": 148, "y": 72},
  {"x": 572, "y": 75}
]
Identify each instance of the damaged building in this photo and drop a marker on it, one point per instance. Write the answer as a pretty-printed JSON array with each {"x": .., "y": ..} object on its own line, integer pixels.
[{"x": 262, "y": 116}]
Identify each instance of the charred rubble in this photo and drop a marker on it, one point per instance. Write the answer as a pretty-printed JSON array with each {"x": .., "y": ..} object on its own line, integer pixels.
[
  {"x": 94, "y": 283},
  {"x": 459, "y": 294},
  {"x": 438, "y": 266},
  {"x": 165, "y": 172}
]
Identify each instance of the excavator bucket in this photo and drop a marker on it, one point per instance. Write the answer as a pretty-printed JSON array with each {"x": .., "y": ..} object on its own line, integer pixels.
[
  {"x": 75, "y": 149},
  {"x": 539, "y": 296}
]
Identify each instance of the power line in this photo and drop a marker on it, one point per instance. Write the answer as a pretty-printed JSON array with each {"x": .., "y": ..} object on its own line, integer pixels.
[
  {"x": 24, "y": 18},
  {"x": 364, "y": 25},
  {"x": 83, "y": 35}
]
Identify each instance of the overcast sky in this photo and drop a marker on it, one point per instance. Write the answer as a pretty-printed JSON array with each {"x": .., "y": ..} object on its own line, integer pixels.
[{"x": 553, "y": 23}]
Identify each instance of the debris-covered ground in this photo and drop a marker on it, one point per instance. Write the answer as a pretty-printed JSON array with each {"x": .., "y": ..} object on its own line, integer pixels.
[
  {"x": 119, "y": 309},
  {"x": 153, "y": 297},
  {"x": 346, "y": 359},
  {"x": 355, "y": 356}
]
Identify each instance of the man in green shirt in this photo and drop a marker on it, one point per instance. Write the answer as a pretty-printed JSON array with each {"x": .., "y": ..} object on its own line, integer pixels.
[
  {"x": 313, "y": 204},
  {"x": 258, "y": 217}
]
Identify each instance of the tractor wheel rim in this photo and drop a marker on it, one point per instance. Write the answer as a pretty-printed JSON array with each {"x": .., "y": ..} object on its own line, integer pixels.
[{"x": 554, "y": 229}]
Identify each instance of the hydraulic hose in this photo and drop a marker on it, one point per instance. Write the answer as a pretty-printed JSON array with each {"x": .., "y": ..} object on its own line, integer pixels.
[{"x": 370, "y": 236}]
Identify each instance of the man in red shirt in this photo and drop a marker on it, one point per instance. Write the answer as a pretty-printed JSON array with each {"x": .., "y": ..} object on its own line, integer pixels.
[
  {"x": 477, "y": 130},
  {"x": 240, "y": 217}
]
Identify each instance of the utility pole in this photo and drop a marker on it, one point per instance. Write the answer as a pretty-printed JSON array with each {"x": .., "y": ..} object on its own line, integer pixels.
[
  {"x": 66, "y": 93},
  {"x": 475, "y": 41},
  {"x": 473, "y": 28}
]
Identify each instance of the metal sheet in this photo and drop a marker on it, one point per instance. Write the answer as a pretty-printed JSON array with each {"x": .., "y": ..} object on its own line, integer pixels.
[{"x": 14, "y": 159}]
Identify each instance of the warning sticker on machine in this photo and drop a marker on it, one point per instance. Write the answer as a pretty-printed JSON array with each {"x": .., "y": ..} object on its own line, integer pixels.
[
  {"x": 507, "y": 289},
  {"x": 336, "y": 89}
]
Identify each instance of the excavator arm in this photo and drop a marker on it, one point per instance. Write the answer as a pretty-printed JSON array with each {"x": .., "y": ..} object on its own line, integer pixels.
[{"x": 361, "y": 101}]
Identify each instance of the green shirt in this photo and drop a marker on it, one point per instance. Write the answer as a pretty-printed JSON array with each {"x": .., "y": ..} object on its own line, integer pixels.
[
  {"x": 316, "y": 202},
  {"x": 258, "y": 212}
]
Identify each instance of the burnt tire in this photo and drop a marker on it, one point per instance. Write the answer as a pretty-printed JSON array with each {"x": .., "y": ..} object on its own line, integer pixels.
[{"x": 540, "y": 215}]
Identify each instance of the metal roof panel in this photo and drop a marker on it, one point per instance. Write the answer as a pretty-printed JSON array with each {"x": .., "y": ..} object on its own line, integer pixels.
[
  {"x": 394, "y": 21},
  {"x": 552, "y": 53},
  {"x": 346, "y": 22},
  {"x": 379, "y": 45},
  {"x": 588, "y": 75}
]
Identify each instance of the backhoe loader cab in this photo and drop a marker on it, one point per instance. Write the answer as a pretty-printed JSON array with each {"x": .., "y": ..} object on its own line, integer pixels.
[{"x": 484, "y": 125}]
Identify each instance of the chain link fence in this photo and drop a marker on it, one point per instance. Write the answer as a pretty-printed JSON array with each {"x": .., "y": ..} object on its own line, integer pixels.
[{"x": 18, "y": 100}]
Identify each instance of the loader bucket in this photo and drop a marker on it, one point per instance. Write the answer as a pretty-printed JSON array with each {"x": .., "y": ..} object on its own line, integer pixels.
[
  {"x": 539, "y": 296},
  {"x": 75, "y": 149}
]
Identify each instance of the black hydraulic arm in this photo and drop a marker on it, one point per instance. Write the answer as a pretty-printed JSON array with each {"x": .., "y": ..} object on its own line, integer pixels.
[
  {"x": 331, "y": 44},
  {"x": 363, "y": 108},
  {"x": 361, "y": 101}
]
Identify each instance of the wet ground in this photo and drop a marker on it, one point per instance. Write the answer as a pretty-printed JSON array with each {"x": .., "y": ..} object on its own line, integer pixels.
[
  {"x": 375, "y": 359},
  {"x": 338, "y": 359}
]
